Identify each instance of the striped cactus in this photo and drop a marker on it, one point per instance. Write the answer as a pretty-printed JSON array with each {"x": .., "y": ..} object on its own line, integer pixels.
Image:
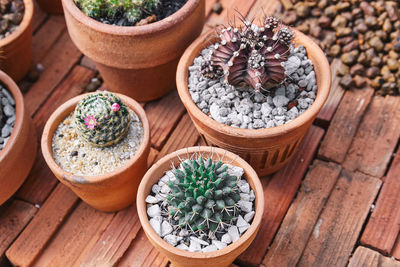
[{"x": 101, "y": 118}]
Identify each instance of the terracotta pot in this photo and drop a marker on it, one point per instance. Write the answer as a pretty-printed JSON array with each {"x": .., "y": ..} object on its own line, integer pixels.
[
  {"x": 182, "y": 258},
  {"x": 53, "y": 7},
  {"x": 138, "y": 61},
  {"x": 18, "y": 155},
  {"x": 16, "y": 49},
  {"x": 267, "y": 150},
  {"x": 111, "y": 191}
]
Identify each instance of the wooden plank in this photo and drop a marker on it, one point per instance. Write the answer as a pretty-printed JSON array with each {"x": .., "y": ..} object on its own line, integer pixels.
[
  {"x": 278, "y": 194},
  {"x": 163, "y": 115},
  {"x": 46, "y": 36},
  {"x": 376, "y": 137},
  {"x": 39, "y": 16},
  {"x": 152, "y": 156},
  {"x": 57, "y": 65},
  {"x": 75, "y": 237},
  {"x": 335, "y": 95},
  {"x": 384, "y": 223},
  {"x": 302, "y": 215},
  {"x": 396, "y": 249},
  {"x": 340, "y": 223},
  {"x": 344, "y": 125},
  {"x": 365, "y": 257},
  {"x": 14, "y": 216},
  {"x": 41, "y": 180},
  {"x": 185, "y": 135},
  {"x": 115, "y": 240},
  {"x": 40, "y": 230}
]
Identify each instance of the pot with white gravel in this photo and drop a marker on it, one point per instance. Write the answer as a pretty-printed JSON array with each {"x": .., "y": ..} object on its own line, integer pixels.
[
  {"x": 255, "y": 90},
  {"x": 201, "y": 206}
]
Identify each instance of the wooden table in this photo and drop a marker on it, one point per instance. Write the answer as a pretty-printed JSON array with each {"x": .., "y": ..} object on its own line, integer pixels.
[{"x": 335, "y": 204}]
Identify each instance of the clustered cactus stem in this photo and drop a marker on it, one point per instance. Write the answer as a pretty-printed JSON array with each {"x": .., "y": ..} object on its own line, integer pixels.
[
  {"x": 101, "y": 118},
  {"x": 132, "y": 10},
  {"x": 251, "y": 54},
  {"x": 203, "y": 196}
]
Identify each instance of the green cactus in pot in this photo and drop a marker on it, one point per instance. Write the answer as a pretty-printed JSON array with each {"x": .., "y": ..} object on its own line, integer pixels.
[
  {"x": 101, "y": 118},
  {"x": 203, "y": 196}
]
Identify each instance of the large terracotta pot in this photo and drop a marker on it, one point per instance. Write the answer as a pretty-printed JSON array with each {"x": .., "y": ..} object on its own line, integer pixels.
[
  {"x": 138, "y": 61},
  {"x": 18, "y": 155},
  {"x": 16, "y": 49},
  {"x": 53, "y": 7},
  {"x": 267, "y": 150},
  {"x": 111, "y": 191},
  {"x": 182, "y": 258}
]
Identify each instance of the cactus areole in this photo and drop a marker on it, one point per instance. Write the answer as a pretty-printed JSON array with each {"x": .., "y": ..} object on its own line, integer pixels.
[
  {"x": 203, "y": 197},
  {"x": 251, "y": 54},
  {"x": 101, "y": 118}
]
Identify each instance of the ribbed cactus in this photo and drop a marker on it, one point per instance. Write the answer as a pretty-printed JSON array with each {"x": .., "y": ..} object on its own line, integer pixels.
[
  {"x": 133, "y": 10},
  {"x": 101, "y": 118},
  {"x": 203, "y": 196},
  {"x": 251, "y": 54}
]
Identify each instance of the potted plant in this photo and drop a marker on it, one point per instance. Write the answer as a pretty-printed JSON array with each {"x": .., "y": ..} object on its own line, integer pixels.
[
  {"x": 204, "y": 210},
  {"x": 139, "y": 61},
  {"x": 18, "y": 142},
  {"x": 53, "y": 7},
  {"x": 253, "y": 92},
  {"x": 97, "y": 144},
  {"x": 16, "y": 40}
]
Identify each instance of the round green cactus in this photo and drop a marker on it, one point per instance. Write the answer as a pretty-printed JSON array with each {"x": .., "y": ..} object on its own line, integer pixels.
[
  {"x": 101, "y": 118},
  {"x": 203, "y": 196}
]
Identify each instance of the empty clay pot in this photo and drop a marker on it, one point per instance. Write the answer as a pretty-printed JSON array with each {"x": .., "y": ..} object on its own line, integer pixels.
[
  {"x": 16, "y": 49},
  {"x": 138, "y": 61},
  {"x": 53, "y": 7},
  {"x": 111, "y": 191},
  {"x": 182, "y": 258},
  {"x": 267, "y": 150},
  {"x": 18, "y": 155}
]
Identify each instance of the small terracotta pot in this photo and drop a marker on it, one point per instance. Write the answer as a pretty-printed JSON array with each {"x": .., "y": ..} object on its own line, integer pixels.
[
  {"x": 18, "y": 155},
  {"x": 16, "y": 49},
  {"x": 267, "y": 150},
  {"x": 138, "y": 61},
  {"x": 111, "y": 191},
  {"x": 53, "y": 7},
  {"x": 182, "y": 258}
]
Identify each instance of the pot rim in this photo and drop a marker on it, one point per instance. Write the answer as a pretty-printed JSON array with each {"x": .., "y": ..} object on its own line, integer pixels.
[
  {"x": 13, "y": 88},
  {"x": 26, "y": 21},
  {"x": 153, "y": 28},
  {"x": 322, "y": 91},
  {"x": 254, "y": 226},
  {"x": 63, "y": 111}
]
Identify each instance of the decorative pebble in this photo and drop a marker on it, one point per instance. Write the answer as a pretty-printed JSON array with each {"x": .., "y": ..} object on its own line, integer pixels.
[
  {"x": 182, "y": 246},
  {"x": 153, "y": 211},
  {"x": 242, "y": 224},
  {"x": 245, "y": 206},
  {"x": 219, "y": 244},
  {"x": 249, "y": 216},
  {"x": 210, "y": 248},
  {"x": 171, "y": 239},
  {"x": 198, "y": 240},
  {"x": 151, "y": 200},
  {"x": 233, "y": 232},
  {"x": 166, "y": 228},
  {"x": 195, "y": 246},
  {"x": 156, "y": 224},
  {"x": 226, "y": 238}
]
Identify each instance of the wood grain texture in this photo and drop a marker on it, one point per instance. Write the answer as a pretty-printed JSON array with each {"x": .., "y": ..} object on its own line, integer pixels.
[
  {"x": 39, "y": 16},
  {"x": 302, "y": 215},
  {"x": 163, "y": 116},
  {"x": 278, "y": 194},
  {"x": 365, "y": 257},
  {"x": 14, "y": 216},
  {"x": 344, "y": 124},
  {"x": 41, "y": 229},
  {"x": 340, "y": 223},
  {"x": 57, "y": 64},
  {"x": 384, "y": 224},
  {"x": 41, "y": 180},
  {"x": 376, "y": 137}
]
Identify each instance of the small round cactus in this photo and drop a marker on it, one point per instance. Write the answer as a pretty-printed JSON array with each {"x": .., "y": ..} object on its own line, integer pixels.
[
  {"x": 132, "y": 10},
  {"x": 251, "y": 54},
  {"x": 203, "y": 196},
  {"x": 101, "y": 118}
]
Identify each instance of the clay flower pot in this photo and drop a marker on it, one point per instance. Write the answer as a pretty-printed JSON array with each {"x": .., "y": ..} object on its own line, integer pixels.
[
  {"x": 17, "y": 157},
  {"x": 182, "y": 258},
  {"x": 138, "y": 61},
  {"x": 111, "y": 191},
  {"x": 267, "y": 150},
  {"x": 53, "y": 7},
  {"x": 16, "y": 49}
]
